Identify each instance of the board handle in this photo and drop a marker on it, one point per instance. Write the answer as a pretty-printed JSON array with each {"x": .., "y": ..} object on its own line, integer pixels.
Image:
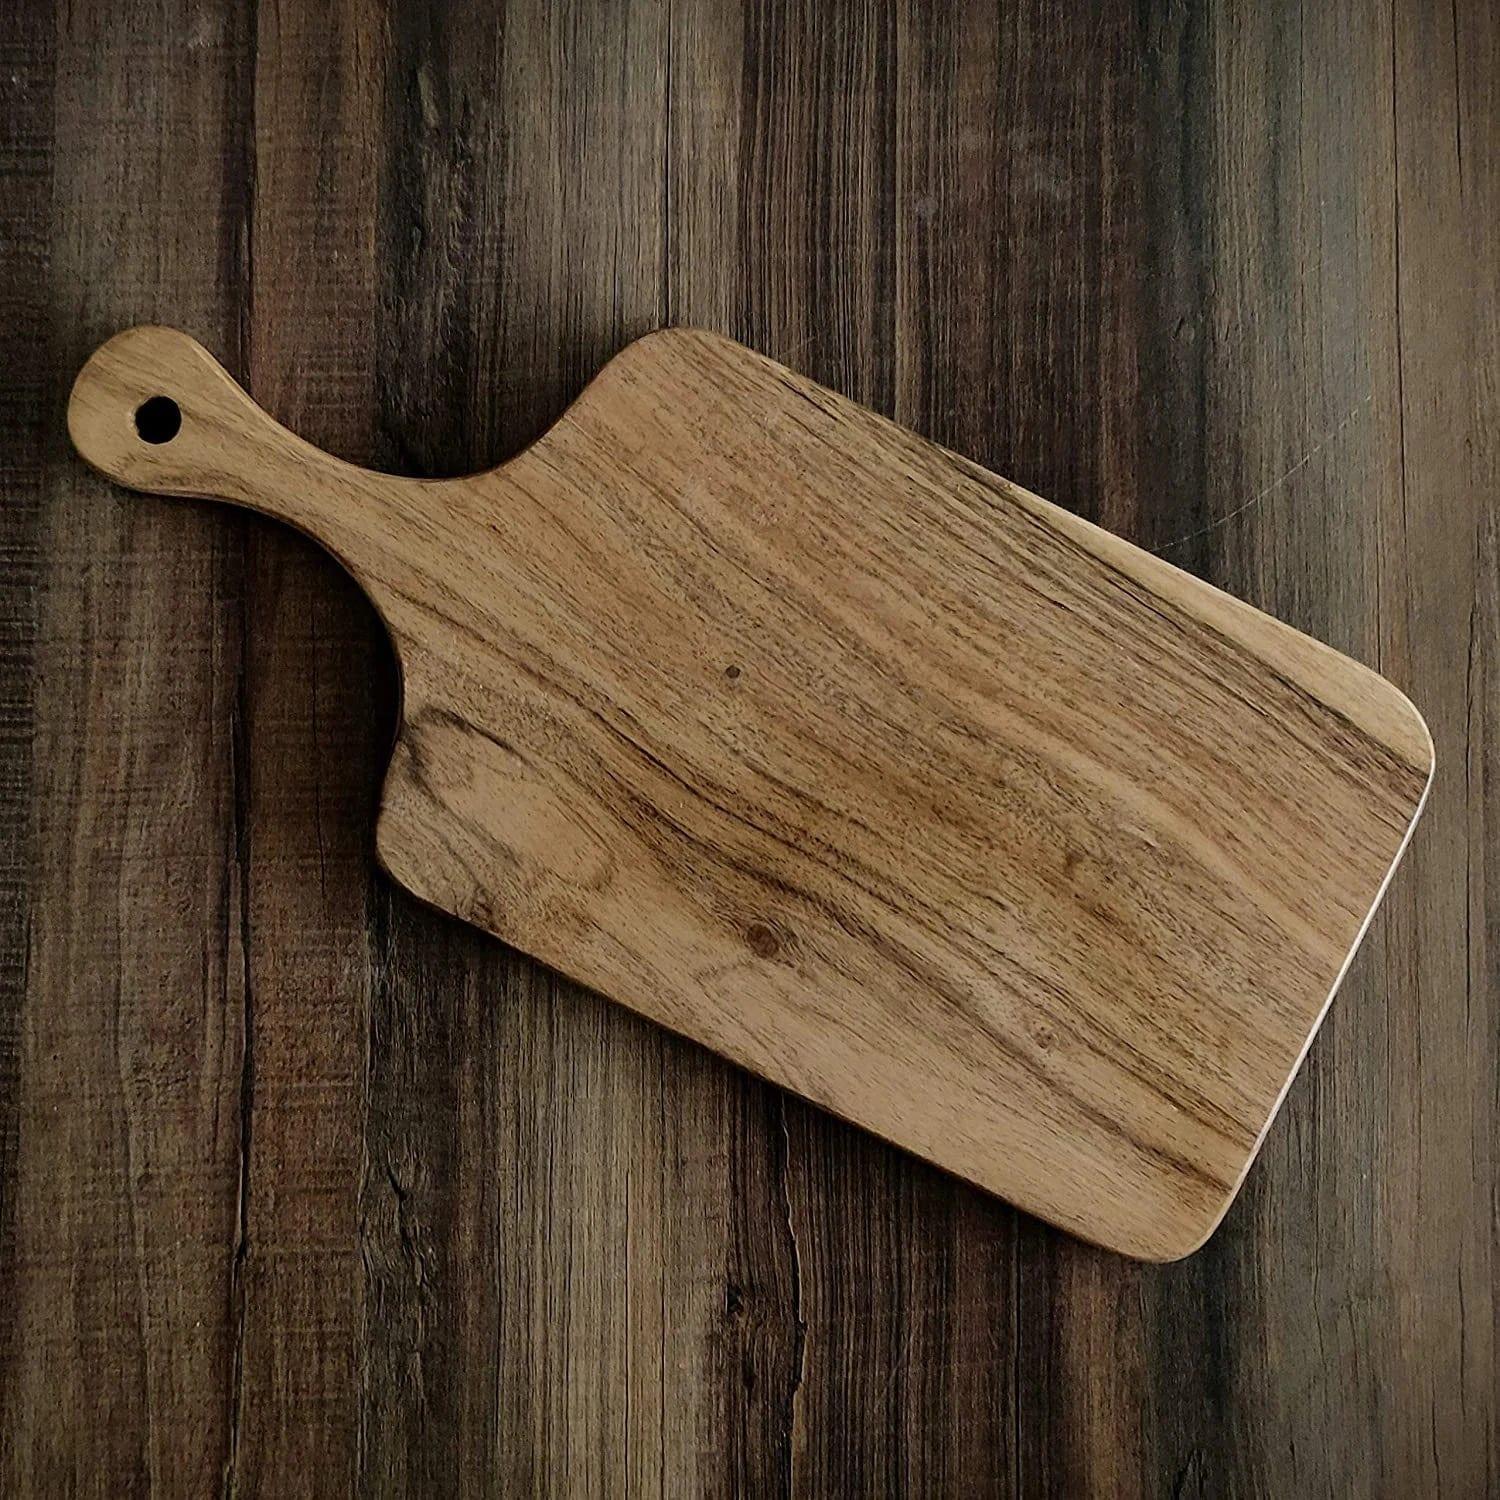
[{"x": 155, "y": 411}]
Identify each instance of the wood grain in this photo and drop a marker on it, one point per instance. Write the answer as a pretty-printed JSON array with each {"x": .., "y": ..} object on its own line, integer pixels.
[
  {"x": 123, "y": 1209},
  {"x": 309, "y": 719},
  {"x": 823, "y": 747},
  {"x": 1221, "y": 277}
]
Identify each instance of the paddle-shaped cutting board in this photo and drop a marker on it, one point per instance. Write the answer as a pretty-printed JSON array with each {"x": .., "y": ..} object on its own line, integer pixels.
[{"x": 852, "y": 761}]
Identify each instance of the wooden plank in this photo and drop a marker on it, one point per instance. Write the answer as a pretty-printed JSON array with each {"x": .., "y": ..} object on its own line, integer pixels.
[
  {"x": 438, "y": 1063},
  {"x": 124, "y": 1180},
  {"x": 1298, "y": 1351},
  {"x": 315, "y": 663},
  {"x": 908, "y": 1279},
  {"x": 1081, "y": 258},
  {"x": 563, "y": 1171},
  {"x": 28, "y": 64},
  {"x": 432, "y": 1409},
  {"x": 1437, "y": 578},
  {"x": 731, "y": 1128},
  {"x": 1282, "y": 422}
]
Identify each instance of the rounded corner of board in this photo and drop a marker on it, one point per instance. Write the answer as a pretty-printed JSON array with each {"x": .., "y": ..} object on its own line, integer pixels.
[
  {"x": 1394, "y": 719},
  {"x": 1192, "y": 1239},
  {"x": 1425, "y": 751},
  {"x": 1175, "y": 1237}
]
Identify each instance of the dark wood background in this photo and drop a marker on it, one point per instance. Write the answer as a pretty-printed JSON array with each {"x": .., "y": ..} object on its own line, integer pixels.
[{"x": 307, "y": 1189}]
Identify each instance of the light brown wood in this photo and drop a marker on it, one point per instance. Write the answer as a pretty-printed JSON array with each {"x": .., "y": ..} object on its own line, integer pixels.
[{"x": 861, "y": 766}]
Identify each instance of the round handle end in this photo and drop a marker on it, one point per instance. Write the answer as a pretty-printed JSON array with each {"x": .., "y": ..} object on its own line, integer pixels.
[{"x": 154, "y": 410}]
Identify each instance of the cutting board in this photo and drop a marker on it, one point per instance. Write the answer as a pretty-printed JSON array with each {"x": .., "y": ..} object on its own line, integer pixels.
[{"x": 852, "y": 761}]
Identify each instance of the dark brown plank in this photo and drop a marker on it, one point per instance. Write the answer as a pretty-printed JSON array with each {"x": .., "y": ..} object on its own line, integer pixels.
[
  {"x": 744, "y": 1393},
  {"x": 123, "y": 1183},
  {"x": 559, "y": 1171},
  {"x": 865, "y": 257},
  {"x": 1263, "y": 419},
  {"x": 1336, "y": 1246},
  {"x": 315, "y": 662},
  {"x": 1437, "y": 621},
  {"x": 28, "y": 63}
]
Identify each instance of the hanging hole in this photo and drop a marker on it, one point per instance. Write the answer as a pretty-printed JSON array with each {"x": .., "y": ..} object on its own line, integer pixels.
[{"x": 158, "y": 420}]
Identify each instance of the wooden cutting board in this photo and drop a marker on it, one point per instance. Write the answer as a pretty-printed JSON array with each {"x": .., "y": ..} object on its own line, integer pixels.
[{"x": 852, "y": 761}]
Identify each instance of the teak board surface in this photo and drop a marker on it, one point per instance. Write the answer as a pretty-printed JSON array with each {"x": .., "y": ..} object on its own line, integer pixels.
[{"x": 860, "y": 765}]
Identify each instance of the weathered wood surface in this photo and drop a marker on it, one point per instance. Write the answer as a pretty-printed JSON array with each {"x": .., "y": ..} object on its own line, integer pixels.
[{"x": 304, "y": 1186}]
